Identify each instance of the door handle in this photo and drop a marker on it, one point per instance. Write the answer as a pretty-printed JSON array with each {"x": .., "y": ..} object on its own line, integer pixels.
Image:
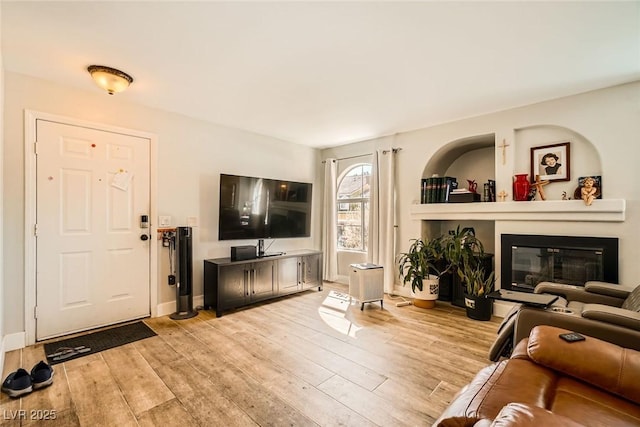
[{"x": 144, "y": 237}]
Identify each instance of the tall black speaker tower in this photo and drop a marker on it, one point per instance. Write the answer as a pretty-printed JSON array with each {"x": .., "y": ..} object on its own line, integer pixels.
[{"x": 184, "y": 275}]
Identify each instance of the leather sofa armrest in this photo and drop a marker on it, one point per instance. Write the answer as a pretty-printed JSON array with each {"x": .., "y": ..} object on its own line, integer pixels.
[
  {"x": 521, "y": 415},
  {"x": 577, "y": 293},
  {"x": 618, "y": 316},
  {"x": 610, "y": 289},
  {"x": 599, "y": 363}
]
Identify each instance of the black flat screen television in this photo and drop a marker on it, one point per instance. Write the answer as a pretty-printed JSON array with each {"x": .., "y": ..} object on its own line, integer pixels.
[{"x": 260, "y": 208}]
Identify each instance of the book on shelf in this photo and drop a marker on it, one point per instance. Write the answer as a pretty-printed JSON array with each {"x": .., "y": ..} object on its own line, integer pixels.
[
  {"x": 489, "y": 193},
  {"x": 437, "y": 189}
]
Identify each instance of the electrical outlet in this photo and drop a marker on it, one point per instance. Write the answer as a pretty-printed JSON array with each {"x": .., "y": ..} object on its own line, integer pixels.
[{"x": 164, "y": 221}]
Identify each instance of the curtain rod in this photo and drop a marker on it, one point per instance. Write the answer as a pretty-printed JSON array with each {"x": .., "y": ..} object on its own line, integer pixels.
[
  {"x": 351, "y": 157},
  {"x": 395, "y": 150}
]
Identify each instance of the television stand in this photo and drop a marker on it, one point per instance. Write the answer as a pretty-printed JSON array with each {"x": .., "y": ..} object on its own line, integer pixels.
[{"x": 233, "y": 284}]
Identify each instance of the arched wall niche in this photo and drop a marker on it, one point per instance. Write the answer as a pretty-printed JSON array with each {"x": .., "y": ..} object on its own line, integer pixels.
[
  {"x": 584, "y": 157},
  {"x": 448, "y": 154}
]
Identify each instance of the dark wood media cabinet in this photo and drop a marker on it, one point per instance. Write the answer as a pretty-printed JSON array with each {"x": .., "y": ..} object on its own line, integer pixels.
[{"x": 232, "y": 284}]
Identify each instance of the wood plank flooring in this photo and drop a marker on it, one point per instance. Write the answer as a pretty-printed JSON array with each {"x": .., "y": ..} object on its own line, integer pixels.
[{"x": 304, "y": 360}]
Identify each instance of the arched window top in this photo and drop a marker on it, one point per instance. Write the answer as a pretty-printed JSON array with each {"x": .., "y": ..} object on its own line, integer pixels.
[{"x": 355, "y": 182}]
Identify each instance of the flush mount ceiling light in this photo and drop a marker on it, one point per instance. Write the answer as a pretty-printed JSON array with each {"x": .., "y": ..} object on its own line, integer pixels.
[{"x": 110, "y": 79}]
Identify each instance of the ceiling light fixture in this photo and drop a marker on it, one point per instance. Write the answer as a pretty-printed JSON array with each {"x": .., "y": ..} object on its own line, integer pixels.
[{"x": 110, "y": 79}]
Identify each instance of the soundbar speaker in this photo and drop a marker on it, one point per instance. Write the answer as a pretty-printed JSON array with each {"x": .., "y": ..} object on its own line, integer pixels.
[{"x": 241, "y": 253}]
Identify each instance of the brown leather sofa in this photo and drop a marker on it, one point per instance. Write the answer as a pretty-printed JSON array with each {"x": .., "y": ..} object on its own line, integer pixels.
[{"x": 548, "y": 381}]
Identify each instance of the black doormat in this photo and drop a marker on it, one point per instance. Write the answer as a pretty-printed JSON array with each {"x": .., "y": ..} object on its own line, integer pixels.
[{"x": 72, "y": 348}]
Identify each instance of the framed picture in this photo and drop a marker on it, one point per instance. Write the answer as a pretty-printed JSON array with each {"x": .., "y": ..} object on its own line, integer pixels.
[{"x": 551, "y": 162}]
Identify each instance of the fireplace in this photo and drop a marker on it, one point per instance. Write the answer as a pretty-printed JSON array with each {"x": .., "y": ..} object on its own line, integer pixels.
[{"x": 530, "y": 259}]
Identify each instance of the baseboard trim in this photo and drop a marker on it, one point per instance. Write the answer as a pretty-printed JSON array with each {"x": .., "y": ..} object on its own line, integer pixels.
[
  {"x": 14, "y": 341},
  {"x": 343, "y": 280},
  {"x": 167, "y": 308},
  {"x": 502, "y": 308}
]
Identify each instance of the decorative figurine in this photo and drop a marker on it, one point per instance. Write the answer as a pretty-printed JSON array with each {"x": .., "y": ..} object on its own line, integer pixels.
[
  {"x": 589, "y": 192},
  {"x": 502, "y": 195}
]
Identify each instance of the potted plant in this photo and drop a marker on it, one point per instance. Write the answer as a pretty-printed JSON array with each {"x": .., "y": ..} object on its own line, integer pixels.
[
  {"x": 477, "y": 285},
  {"x": 466, "y": 265},
  {"x": 461, "y": 247},
  {"x": 419, "y": 265}
]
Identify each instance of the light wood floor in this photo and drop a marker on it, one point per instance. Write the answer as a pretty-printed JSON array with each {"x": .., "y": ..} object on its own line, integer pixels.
[{"x": 309, "y": 359}]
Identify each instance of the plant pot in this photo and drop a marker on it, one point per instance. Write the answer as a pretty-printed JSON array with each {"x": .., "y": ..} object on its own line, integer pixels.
[
  {"x": 426, "y": 298},
  {"x": 478, "y": 308}
]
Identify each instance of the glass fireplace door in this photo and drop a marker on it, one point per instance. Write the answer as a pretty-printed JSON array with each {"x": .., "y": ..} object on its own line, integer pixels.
[{"x": 531, "y": 265}]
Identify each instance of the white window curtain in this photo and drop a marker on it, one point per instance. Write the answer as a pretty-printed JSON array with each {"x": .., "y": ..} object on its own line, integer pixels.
[
  {"x": 329, "y": 225},
  {"x": 382, "y": 216}
]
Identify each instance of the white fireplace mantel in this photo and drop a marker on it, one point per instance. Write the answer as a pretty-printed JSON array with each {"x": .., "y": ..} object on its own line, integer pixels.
[{"x": 604, "y": 210}]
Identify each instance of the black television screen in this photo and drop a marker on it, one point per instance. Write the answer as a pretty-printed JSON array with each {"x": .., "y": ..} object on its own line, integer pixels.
[{"x": 260, "y": 208}]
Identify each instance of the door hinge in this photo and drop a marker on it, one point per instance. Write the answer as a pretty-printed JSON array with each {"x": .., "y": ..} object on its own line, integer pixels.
[
  {"x": 35, "y": 312},
  {"x": 35, "y": 148},
  {"x": 35, "y": 230}
]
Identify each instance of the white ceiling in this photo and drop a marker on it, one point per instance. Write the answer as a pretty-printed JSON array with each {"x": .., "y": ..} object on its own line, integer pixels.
[{"x": 329, "y": 73}]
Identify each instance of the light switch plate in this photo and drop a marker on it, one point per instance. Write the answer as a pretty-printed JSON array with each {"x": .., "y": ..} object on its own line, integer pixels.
[
  {"x": 164, "y": 221},
  {"x": 192, "y": 221}
]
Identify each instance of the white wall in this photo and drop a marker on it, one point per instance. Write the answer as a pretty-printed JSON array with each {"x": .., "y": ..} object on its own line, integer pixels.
[
  {"x": 603, "y": 127},
  {"x": 191, "y": 155},
  {"x": 2, "y": 332}
]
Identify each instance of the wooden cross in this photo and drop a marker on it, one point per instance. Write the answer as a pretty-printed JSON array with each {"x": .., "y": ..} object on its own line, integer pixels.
[
  {"x": 502, "y": 195},
  {"x": 504, "y": 150},
  {"x": 539, "y": 184}
]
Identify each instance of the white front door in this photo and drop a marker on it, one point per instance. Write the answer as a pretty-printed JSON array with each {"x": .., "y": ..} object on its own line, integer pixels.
[{"x": 92, "y": 264}]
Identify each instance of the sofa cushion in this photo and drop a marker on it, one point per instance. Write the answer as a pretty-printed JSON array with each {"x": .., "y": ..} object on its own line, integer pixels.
[
  {"x": 521, "y": 415},
  {"x": 606, "y": 288},
  {"x": 633, "y": 300},
  {"x": 586, "y": 404},
  {"x": 599, "y": 363},
  {"x": 614, "y": 315},
  {"x": 513, "y": 380}
]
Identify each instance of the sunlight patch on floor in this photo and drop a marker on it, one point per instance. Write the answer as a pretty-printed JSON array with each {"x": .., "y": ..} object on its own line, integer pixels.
[{"x": 333, "y": 312}]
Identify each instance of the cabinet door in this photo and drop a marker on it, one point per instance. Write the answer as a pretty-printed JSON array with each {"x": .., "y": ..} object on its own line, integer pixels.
[
  {"x": 262, "y": 280},
  {"x": 232, "y": 285},
  {"x": 288, "y": 275},
  {"x": 310, "y": 271}
]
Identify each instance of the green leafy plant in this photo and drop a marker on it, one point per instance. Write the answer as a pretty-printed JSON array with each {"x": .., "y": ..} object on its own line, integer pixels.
[
  {"x": 477, "y": 283},
  {"x": 461, "y": 248},
  {"x": 422, "y": 259}
]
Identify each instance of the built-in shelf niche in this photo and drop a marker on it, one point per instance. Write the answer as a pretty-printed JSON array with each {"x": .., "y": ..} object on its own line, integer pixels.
[{"x": 468, "y": 158}]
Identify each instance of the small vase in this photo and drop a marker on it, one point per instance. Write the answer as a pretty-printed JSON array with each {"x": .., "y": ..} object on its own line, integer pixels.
[{"x": 521, "y": 187}]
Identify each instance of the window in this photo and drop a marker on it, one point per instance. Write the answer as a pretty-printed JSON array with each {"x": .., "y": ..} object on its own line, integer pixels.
[{"x": 353, "y": 208}]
